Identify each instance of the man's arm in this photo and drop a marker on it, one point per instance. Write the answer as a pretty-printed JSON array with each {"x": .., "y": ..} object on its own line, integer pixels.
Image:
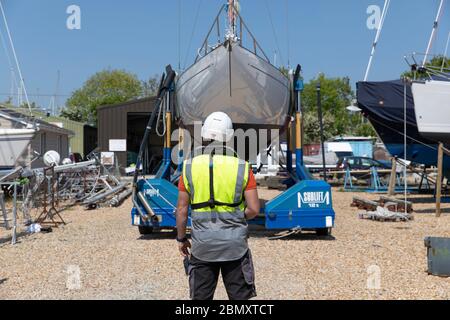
[
  {"x": 182, "y": 219},
  {"x": 253, "y": 204}
]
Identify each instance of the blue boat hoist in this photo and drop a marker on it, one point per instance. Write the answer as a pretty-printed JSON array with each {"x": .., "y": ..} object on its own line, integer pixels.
[{"x": 305, "y": 205}]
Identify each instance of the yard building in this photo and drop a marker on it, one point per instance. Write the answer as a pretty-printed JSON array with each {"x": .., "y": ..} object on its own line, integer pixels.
[
  {"x": 121, "y": 128},
  {"x": 46, "y": 137}
]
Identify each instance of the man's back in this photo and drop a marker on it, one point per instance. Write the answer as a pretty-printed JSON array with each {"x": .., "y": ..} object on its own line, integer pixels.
[{"x": 216, "y": 185}]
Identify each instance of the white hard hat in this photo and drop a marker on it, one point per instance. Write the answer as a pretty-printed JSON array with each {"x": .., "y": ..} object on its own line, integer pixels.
[{"x": 218, "y": 127}]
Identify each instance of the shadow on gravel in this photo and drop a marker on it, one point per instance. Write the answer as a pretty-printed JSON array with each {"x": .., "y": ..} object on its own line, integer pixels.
[
  {"x": 2, "y": 281},
  {"x": 430, "y": 199},
  {"x": 254, "y": 232},
  {"x": 159, "y": 236},
  {"x": 431, "y": 211},
  {"x": 260, "y": 232},
  {"x": 9, "y": 238}
]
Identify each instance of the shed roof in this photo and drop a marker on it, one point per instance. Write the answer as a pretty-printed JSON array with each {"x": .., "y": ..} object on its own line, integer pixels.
[
  {"x": 149, "y": 100},
  {"x": 16, "y": 115}
]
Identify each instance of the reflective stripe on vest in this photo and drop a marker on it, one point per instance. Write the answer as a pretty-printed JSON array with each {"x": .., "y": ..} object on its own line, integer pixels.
[{"x": 219, "y": 233}]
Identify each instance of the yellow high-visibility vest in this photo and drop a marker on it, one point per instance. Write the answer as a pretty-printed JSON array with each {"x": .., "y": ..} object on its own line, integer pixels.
[{"x": 219, "y": 227}]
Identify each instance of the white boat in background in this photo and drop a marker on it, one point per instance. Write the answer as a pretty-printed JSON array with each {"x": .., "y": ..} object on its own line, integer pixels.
[
  {"x": 432, "y": 108},
  {"x": 13, "y": 143}
]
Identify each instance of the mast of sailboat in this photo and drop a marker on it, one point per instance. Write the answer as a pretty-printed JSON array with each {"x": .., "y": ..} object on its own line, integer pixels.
[
  {"x": 377, "y": 37},
  {"x": 13, "y": 49},
  {"x": 433, "y": 32},
  {"x": 233, "y": 6}
]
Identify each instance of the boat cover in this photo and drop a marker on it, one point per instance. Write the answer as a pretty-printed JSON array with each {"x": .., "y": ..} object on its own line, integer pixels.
[
  {"x": 235, "y": 81},
  {"x": 385, "y": 100}
]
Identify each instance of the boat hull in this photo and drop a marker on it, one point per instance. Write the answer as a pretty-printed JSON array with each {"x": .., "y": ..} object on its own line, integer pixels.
[
  {"x": 13, "y": 143},
  {"x": 383, "y": 103},
  {"x": 432, "y": 109},
  {"x": 234, "y": 80}
]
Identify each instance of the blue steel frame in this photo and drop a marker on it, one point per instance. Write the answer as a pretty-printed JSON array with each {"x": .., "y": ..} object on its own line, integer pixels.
[{"x": 307, "y": 204}]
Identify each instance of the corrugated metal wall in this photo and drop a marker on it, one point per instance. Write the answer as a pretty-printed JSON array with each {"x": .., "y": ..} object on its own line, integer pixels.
[
  {"x": 76, "y": 141},
  {"x": 53, "y": 141},
  {"x": 112, "y": 123}
]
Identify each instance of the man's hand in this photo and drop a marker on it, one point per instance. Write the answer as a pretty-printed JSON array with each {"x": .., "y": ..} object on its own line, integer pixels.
[{"x": 184, "y": 248}]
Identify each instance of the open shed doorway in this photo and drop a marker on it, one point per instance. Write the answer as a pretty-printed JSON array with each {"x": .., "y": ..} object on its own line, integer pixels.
[{"x": 136, "y": 124}]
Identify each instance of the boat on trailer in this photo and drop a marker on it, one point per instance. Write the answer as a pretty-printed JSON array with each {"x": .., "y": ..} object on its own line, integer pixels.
[{"x": 227, "y": 76}]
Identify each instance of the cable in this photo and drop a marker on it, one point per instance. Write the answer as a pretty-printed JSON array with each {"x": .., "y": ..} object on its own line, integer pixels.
[
  {"x": 8, "y": 58},
  {"x": 444, "y": 58},
  {"x": 287, "y": 35},
  {"x": 15, "y": 58},
  {"x": 404, "y": 138},
  {"x": 401, "y": 133},
  {"x": 193, "y": 32},
  {"x": 179, "y": 35},
  {"x": 274, "y": 32}
]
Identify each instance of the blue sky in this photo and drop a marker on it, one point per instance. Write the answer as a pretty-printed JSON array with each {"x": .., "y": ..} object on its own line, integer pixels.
[{"x": 141, "y": 36}]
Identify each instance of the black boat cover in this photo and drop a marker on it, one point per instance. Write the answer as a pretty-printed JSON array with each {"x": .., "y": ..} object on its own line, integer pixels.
[{"x": 385, "y": 101}]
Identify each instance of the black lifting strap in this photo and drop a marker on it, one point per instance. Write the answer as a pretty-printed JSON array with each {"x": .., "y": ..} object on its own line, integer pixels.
[{"x": 212, "y": 203}]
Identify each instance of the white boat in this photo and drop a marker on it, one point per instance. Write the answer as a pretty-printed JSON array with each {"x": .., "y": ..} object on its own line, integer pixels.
[
  {"x": 228, "y": 77},
  {"x": 432, "y": 108},
  {"x": 13, "y": 143}
]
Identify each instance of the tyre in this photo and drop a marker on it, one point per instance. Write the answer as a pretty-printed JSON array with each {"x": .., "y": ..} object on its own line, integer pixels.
[
  {"x": 144, "y": 230},
  {"x": 325, "y": 232}
]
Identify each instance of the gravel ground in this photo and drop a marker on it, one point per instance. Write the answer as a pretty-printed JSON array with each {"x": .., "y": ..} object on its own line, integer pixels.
[{"x": 112, "y": 261}]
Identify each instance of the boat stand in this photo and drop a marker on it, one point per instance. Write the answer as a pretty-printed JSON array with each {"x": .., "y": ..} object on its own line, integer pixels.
[
  {"x": 48, "y": 216},
  {"x": 305, "y": 205}
]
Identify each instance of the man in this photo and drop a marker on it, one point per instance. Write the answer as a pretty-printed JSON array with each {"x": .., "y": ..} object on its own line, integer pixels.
[{"x": 222, "y": 193}]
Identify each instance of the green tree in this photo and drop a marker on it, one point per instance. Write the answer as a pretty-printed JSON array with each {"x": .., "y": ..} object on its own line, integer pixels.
[
  {"x": 151, "y": 87},
  {"x": 103, "y": 88},
  {"x": 337, "y": 95},
  {"x": 436, "y": 64}
]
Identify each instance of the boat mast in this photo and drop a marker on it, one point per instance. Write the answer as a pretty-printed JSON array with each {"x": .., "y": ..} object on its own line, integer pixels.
[
  {"x": 433, "y": 33},
  {"x": 233, "y": 6},
  {"x": 13, "y": 49},
  {"x": 377, "y": 37}
]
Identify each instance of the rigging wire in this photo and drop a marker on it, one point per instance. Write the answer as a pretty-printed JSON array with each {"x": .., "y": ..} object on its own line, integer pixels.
[
  {"x": 444, "y": 58},
  {"x": 11, "y": 67},
  {"x": 404, "y": 138},
  {"x": 193, "y": 33},
  {"x": 274, "y": 31},
  {"x": 15, "y": 58},
  {"x": 179, "y": 35},
  {"x": 402, "y": 134},
  {"x": 288, "y": 35}
]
